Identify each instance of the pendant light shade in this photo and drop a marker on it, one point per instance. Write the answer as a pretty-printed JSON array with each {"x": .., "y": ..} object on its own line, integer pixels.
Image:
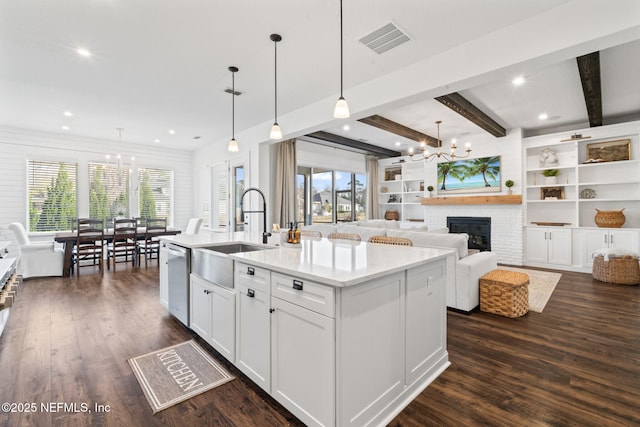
[
  {"x": 342, "y": 109},
  {"x": 276, "y": 132},
  {"x": 233, "y": 144}
]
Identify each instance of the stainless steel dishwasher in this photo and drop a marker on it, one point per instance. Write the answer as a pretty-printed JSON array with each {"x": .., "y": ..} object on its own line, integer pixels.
[{"x": 179, "y": 267}]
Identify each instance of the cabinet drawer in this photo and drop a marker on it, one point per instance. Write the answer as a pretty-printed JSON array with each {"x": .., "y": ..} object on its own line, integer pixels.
[
  {"x": 305, "y": 293},
  {"x": 252, "y": 277}
]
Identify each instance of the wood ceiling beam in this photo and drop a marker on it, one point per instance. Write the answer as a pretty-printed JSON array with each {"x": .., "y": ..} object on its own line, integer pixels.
[
  {"x": 466, "y": 109},
  {"x": 589, "y": 68},
  {"x": 354, "y": 145},
  {"x": 398, "y": 129}
]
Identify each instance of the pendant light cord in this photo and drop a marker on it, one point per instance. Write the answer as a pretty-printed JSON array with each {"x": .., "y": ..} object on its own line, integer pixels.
[
  {"x": 233, "y": 105},
  {"x": 341, "y": 53},
  {"x": 275, "y": 66}
]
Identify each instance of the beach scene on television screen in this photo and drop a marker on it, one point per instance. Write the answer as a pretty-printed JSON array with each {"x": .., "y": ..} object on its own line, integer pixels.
[{"x": 481, "y": 175}]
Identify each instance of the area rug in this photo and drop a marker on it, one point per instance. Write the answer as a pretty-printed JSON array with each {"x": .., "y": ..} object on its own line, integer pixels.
[
  {"x": 541, "y": 286},
  {"x": 177, "y": 373}
]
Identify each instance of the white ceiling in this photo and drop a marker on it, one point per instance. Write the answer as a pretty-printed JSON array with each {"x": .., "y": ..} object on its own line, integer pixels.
[{"x": 160, "y": 65}]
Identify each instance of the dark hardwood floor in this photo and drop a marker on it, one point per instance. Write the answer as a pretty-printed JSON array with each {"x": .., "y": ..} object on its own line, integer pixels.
[{"x": 577, "y": 363}]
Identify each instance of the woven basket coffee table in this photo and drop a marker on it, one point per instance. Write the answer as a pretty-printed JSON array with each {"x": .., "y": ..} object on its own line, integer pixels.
[{"x": 505, "y": 293}]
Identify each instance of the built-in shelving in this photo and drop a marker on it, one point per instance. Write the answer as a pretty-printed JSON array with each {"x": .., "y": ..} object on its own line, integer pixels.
[
  {"x": 401, "y": 188},
  {"x": 581, "y": 190}
]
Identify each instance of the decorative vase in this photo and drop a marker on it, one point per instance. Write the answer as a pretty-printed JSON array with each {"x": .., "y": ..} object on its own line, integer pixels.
[
  {"x": 551, "y": 180},
  {"x": 610, "y": 219},
  {"x": 509, "y": 191}
]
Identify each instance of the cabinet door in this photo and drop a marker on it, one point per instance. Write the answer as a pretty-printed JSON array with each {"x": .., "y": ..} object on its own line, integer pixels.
[
  {"x": 623, "y": 239},
  {"x": 200, "y": 307},
  {"x": 594, "y": 240},
  {"x": 559, "y": 243},
  {"x": 164, "y": 275},
  {"x": 425, "y": 305},
  {"x": 303, "y": 362},
  {"x": 223, "y": 321},
  {"x": 253, "y": 334},
  {"x": 536, "y": 244}
]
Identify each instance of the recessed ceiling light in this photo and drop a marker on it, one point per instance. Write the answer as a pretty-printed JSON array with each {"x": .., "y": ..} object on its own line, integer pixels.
[
  {"x": 172, "y": 132},
  {"x": 68, "y": 113},
  {"x": 543, "y": 116},
  {"x": 397, "y": 143},
  {"x": 518, "y": 81},
  {"x": 83, "y": 52},
  {"x": 346, "y": 127},
  {"x": 157, "y": 141},
  {"x": 65, "y": 127}
]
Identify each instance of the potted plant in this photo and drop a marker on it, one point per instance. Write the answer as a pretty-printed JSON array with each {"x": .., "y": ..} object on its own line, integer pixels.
[
  {"x": 509, "y": 183},
  {"x": 430, "y": 190},
  {"x": 551, "y": 176}
]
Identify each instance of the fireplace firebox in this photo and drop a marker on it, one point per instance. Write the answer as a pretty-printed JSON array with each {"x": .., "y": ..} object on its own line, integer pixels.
[{"x": 478, "y": 229}]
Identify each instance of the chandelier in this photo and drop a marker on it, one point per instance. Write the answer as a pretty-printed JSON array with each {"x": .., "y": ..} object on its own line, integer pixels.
[
  {"x": 426, "y": 156},
  {"x": 121, "y": 167}
]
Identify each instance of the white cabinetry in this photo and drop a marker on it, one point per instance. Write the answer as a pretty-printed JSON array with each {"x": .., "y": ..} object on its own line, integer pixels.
[
  {"x": 164, "y": 274},
  {"x": 550, "y": 245},
  {"x": 590, "y": 179},
  {"x": 605, "y": 238},
  {"x": 253, "y": 323},
  {"x": 401, "y": 188},
  {"x": 303, "y": 348},
  {"x": 213, "y": 315},
  {"x": 424, "y": 292}
]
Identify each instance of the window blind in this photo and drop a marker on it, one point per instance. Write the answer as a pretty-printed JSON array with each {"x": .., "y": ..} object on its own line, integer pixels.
[
  {"x": 52, "y": 195},
  {"x": 155, "y": 188}
]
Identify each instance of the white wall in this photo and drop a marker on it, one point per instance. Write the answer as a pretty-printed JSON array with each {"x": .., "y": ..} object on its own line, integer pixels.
[{"x": 19, "y": 145}]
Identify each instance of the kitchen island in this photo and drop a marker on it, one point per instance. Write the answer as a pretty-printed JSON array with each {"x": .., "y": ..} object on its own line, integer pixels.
[{"x": 339, "y": 332}]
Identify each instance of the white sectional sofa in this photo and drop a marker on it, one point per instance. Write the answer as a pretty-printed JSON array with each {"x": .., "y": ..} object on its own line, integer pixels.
[{"x": 463, "y": 290}]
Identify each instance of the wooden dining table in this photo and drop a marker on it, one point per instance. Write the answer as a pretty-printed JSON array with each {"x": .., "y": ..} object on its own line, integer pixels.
[{"x": 69, "y": 238}]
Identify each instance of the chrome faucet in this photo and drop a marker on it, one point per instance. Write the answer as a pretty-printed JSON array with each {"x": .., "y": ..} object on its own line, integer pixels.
[{"x": 265, "y": 234}]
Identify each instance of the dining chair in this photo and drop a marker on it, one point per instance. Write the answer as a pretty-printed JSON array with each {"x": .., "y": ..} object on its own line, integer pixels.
[
  {"x": 344, "y": 236},
  {"x": 89, "y": 244},
  {"x": 310, "y": 233},
  {"x": 193, "y": 226},
  {"x": 123, "y": 244},
  {"x": 398, "y": 241},
  {"x": 150, "y": 246}
]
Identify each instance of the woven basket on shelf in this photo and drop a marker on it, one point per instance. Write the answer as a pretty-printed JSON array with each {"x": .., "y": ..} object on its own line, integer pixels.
[
  {"x": 611, "y": 219},
  {"x": 391, "y": 215},
  {"x": 623, "y": 270},
  {"x": 505, "y": 293}
]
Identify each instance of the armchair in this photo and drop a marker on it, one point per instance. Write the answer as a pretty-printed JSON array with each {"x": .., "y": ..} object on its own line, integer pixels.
[{"x": 36, "y": 259}]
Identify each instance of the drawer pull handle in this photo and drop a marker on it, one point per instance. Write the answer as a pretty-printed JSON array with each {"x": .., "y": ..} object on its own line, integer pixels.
[
  {"x": 251, "y": 271},
  {"x": 251, "y": 293},
  {"x": 297, "y": 285}
]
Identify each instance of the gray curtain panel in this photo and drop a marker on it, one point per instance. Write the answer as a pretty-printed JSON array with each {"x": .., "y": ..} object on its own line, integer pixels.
[
  {"x": 285, "y": 194},
  {"x": 372, "y": 187}
]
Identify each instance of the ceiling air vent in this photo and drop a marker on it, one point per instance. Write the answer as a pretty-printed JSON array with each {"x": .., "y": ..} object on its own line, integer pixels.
[{"x": 384, "y": 38}]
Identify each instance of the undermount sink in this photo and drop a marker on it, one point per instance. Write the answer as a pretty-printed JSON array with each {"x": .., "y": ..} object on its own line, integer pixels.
[
  {"x": 214, "y": 264},
  {"x": 234, "y": 248}
]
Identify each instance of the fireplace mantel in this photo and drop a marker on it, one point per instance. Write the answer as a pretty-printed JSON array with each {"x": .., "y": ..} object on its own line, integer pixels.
[{"x": 510, "y": 199}]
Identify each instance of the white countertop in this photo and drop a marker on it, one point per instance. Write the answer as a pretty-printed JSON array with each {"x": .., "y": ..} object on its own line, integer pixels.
[
  {"x": 205, "y": 239},
  {"x": 340, "y": 263},
  {"x": 336, "y": 263}
]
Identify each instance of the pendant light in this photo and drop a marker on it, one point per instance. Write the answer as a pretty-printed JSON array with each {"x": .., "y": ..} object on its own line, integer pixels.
[
  {"x": 233, "y": 144},
  {"x": 342, "y": 109},
  {"x": 276, "y": 132}
]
